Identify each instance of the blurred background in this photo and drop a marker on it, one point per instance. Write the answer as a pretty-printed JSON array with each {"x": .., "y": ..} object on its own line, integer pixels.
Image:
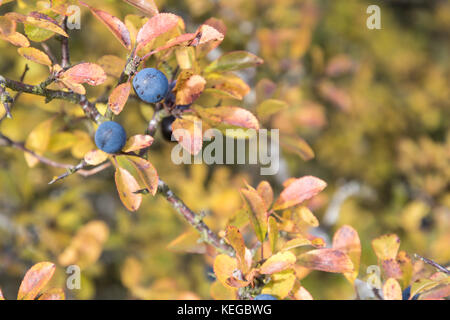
[{"x": 372, "y": 104}]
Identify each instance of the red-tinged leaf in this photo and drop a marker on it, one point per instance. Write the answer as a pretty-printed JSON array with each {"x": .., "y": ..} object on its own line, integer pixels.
[
  {"x": 224, "y": 267},
  {"x": 43, "y": 21},
  {"x": 235, "y": 239},
  {"x": 273, "y": 233},
  {"x": 89, "y": 73},
  {"x": 391, "y": 268},
  {"x": 35, "y": 280},
  {"x": 147, "y": 7},
  {"x": 278, "y": 262},
  {"x": 115, "y": 25},
  {"x": 339, "y": 65},
  {"x": 95, "y": 157},
  {"x": 207, "y": 46},
  {"x": 257, "y": 212},
  {"x": 297, "y": 146},
  {"x": 53, "y": 294},
  {"x": 154, "y": 27},
  {"x": 61, "y": 6},
  {"x": 392, "y": 290},
  {"x": 347, "y": 240},
  {"x": 1, "y": 295},
  {"x": 7, "y": 26},
  {"x": 17, "y": 39},
  {"x": 335, "y": 95},
  {"x": 207, "y": 34},
  {"x": 189, "y": 89},
  {"x": 35, "y": 55},
  {"x": 328, "y": 260},
  {"x": 386, "y": 246},
  {"x": 299, "y": 190},
  {"x": 72, "y": 86},
  {"x": 266, "y": 193},
  {"x": 436, "y": 293},
  {"x": 147, "y": 173},
  {"x": 188, "y": 132},
  {"x": 127, "y": 186},
  {"x": 232, "y": 61},
  {"x": 138, "y": 142},
  {"x": 237, "y": 283},
  {"x": 119, "y": 97},
  {"x": 175, "y": 42},
  {"x": 226, "y": 117},
  {"x": 18, "y": 17}
]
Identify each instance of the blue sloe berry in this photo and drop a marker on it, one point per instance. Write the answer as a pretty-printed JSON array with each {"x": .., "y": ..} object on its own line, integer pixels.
[
  {"x": 110, "y": 137},
  {"x": 265, "y": 297},
  {"x": 151, "y": 85}
]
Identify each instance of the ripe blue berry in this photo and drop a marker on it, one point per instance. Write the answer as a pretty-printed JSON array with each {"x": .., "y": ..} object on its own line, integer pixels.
[
  {"x": 110, "y": 137},
  {"x": 265, "y": 297},
  {"x": 150, "y": 85}
]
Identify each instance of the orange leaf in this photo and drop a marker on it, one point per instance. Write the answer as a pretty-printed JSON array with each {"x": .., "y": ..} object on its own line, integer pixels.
[
  {"x": 1, "y": 295},
  {"x": 266, "y": 193},
  {"x": 35, "y": 55},
  {"x": 146, "y": 172},
  {"x": 392, "y": 290},
  {"x": 298, "y": 191},
  {"x": 273, "y": 233},
  {"x": 235, "y": 239},
  {"x": 138, "y": 142},
  {"x": 386, "y": 246},
  {"x": 89, "y": 73},
  {"x": 188, "y": 132},
  {"x": 17, "y": 39},
  {"x": 95, "y": 157},
  {"x": 126, "y": 186},
  {"x": 35, "y": 280},
  {"x": 189, "y": 90},
  {"x": 347, "y": 240},
  {"x": 53, "y": 294},
  {"x": 328, "y": 260},
  {"x": 227, "y": 117},
  {"x": 224, "y": 267},
  {"x": 278, "y": 262},
  {"x": 257, "y": 212},
  {"x": 115, "y": 25},
  {"x": 119, "y": 97},
  {"x": 154, "y": 27},
  {"x": 7, "y": 26}
]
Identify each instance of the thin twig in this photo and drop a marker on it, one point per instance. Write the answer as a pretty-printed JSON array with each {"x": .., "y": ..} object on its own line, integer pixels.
[
  {"x": 432, "y": 263},
  {"x": 194, "y": 219},
  {"x": 65, "y": 54}
]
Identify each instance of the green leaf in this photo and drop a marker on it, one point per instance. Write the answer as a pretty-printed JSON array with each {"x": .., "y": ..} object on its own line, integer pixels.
[
  {"x": 257, "y": 212},
  {"x": 232, "y": 61},
  {"x": 270, "y": 107}
]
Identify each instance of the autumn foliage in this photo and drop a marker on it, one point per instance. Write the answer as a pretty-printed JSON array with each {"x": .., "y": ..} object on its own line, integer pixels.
[{"x": 358, "y": 209}]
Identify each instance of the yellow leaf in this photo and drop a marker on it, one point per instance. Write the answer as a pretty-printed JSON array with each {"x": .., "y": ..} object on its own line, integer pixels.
[
  {"x": 35, "y": 280},
  {"x": 386, "y": 246},
  {"x": 126, "y": 187},
  {"x": 35, "y": 55},
  {"x": 224, "y": 266},
  {"x": 392, "y": 290},
  {"x": 280, "y": 284},
  {"x": 95, "y": 157},
  {"x": 235, "y": 239}
]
